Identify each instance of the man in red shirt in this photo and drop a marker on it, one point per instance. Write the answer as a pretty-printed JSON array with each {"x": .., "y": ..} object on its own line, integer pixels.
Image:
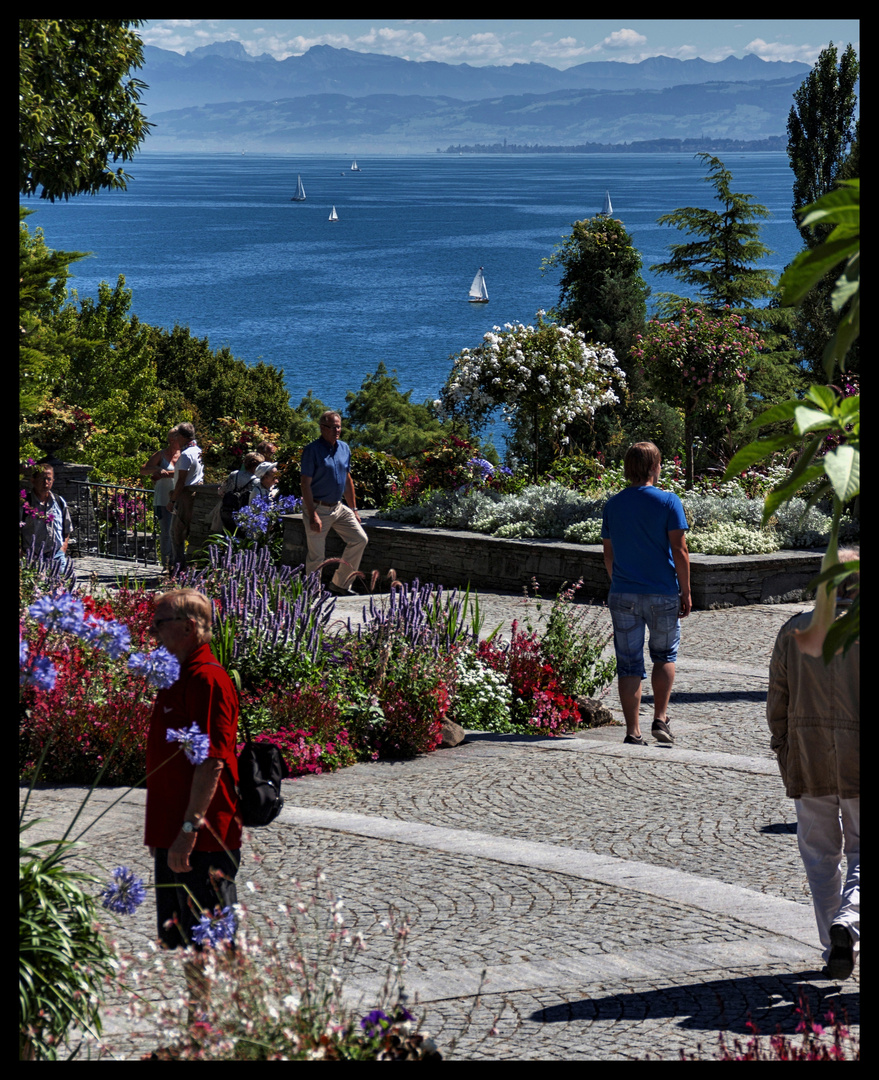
[{"x": 192, "y": 826}]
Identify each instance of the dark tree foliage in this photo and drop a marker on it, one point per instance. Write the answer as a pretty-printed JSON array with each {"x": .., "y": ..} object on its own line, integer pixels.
[
  {"x": 823, "y": 147},
  {"x": 721, "y": 263},
  {"x": 216, "y": 383},
  {"x": 382, "y": 418},
  {"x": 78, "y": 104},
  {"x": 821, "y": 130},
  {"x": 42, "y": 347},
  {"x": 601, "y": 288}
]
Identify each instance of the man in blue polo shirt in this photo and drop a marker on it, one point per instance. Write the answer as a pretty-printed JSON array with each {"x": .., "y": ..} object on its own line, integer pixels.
[
  {"x": 326, "y": 480},
  {"x": 645, "y": 553}
]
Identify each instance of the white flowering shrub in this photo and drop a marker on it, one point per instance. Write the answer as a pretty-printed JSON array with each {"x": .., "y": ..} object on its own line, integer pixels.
[
  {"x": 483, "y": 697},
  {"x": 544, "y": 377},
  {"x": 584, "y": 532},
  {"x": 547, "y": 510},
  {"x": 727, "y": 538}
]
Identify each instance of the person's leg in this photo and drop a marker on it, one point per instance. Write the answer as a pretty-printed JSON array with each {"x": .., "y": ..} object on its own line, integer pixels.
[
  {"x": 316, "y": 542},
  {"x": 820, "y": 840},
  {"x": 662, "y": 679},
  {"x": 662, "y": 615},
  {"x": 628, "y": 642},
  {"x": 355, "y": 539},
  {"x": 629, "y": 687},
  {"x": 849, "y": 910}
]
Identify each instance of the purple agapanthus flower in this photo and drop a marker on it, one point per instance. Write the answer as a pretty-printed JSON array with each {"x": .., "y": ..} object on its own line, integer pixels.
[
  {"x": 158, "y": 667},
  {"x": 39, "y": 672},
  {"x": 125, "y": 893},
  {"x": 63, "y": 612},
  {"x": 114, "y": 638},
  {"x": 195, "y": 743},
  {"x": 212, "y": 929},
  {"x": 480, "y": 465}
]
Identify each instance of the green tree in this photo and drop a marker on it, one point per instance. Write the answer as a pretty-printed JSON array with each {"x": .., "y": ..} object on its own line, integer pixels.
[
  {"x": 112, "y": 375},
  {"x": 601, "y": 289},
  {"x": 693, "y": 361},
  {"x": 382, "y": 418},
  {"x": 78, "y": 104},
  {"x": 821, "y": 131},
  {"x": 43, "y": 276},
  {"x": 720, "y": 264},
  {"x": 216, "y": 383},
  {"x": 823, "y": 148}
]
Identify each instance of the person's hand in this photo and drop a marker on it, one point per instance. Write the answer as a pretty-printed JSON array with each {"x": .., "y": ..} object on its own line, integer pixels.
[
  {"x": 179, "y": 852},
  {"x": 686, "y": 605},
  {"x": 315, "y": 523}
]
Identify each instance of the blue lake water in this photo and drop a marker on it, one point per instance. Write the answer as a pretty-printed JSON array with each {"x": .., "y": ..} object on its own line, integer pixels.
[{"x": 215, "y": 243}]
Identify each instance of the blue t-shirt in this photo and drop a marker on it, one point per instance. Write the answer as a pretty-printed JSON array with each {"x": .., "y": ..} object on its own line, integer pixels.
[
  {"x": 637, "y": 522},
  {"x": 327, "y": 466}
]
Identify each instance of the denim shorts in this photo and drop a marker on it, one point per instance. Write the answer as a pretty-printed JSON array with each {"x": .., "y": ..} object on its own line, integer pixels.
[{"x": 632, "y": 614}]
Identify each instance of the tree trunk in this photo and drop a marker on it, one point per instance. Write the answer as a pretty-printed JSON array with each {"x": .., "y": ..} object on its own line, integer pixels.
[{"x": 689, "y": 438}]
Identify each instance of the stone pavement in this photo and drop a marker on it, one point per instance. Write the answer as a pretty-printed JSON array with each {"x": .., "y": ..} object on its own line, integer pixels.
[{"x": 569, "y": 898}]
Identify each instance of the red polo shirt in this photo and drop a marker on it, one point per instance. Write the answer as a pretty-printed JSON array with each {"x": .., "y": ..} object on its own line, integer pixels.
[{"x": 203, "y": 694}]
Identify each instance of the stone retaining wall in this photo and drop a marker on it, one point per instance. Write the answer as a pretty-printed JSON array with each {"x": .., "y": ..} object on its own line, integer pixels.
[{"x": 456, "y": 558}]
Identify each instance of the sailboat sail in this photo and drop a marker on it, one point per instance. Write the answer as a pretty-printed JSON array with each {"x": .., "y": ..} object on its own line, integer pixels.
[
  {"x": 478, "y": 291},
  {"x": 333, "y": 215},
  {"x": 607, "y": 208},
  {"x": 354, "y": 166},
  {"x": 300, "y": 191}
]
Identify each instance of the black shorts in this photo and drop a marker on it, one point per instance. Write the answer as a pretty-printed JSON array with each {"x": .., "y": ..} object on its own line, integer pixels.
[{"x": 178, "y": 911}]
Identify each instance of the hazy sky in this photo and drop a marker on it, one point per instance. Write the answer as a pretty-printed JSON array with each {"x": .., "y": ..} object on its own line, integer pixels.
[{"x": 557, "y": 42}]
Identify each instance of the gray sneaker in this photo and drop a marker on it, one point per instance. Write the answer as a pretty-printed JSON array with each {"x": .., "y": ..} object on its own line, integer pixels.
[
  {"x": 635, "y": 740},
  {"x": 660, "y": 731}
]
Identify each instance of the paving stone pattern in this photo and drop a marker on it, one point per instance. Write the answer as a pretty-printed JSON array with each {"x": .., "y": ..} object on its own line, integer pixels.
[{"x": 569, "y": 899}]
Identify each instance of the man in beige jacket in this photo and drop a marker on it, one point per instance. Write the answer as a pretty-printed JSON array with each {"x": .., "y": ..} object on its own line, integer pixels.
[{"x": 813, "y": 713}]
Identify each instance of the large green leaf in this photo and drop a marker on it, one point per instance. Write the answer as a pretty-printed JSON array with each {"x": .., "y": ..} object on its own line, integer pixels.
[
  {"x": 809, "y": 267},
  {"x": 812, "y": 420},
  {"x": 757, "y": 451},
  {"x": 843, "y": 467}
]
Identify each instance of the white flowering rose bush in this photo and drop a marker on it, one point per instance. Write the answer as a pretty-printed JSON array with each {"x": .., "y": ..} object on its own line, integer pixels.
[{"x": 544, "y": 377}]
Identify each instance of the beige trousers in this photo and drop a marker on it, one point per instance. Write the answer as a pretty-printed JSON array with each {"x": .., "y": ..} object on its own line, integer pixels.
[{"x": 341, "y": 518}]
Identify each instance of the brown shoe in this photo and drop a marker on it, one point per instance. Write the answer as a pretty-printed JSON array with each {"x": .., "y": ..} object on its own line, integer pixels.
[{"x": 660, "y": 731}]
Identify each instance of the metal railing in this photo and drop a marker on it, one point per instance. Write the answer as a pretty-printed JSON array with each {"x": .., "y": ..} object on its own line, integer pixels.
[{"x": 116, "y": 521}]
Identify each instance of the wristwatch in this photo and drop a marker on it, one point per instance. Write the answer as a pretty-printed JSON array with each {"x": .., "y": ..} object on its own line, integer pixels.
[{"x": 190, "y": 826}]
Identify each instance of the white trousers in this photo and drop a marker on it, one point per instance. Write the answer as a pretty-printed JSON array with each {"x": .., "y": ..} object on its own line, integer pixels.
[
  {"x": 341, "y": 519},
  {"x": 828, "y": 835}
]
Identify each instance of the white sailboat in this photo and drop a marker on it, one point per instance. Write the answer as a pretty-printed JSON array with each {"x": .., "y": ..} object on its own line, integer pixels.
[
  {"x": 333, "y": 215},
  {"x": 300, "y": 191},
  {"x": 354, "y": 166},
  {"x": 607, "y": 209},
  {"x": 478, "y": 291}
]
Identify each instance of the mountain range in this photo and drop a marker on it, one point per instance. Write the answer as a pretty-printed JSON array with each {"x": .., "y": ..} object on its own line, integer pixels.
[{"x": 219, "y": 97}]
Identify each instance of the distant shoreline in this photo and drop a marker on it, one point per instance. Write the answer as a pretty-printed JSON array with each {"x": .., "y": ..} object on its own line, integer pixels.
[{"x": 773, "y": 144}]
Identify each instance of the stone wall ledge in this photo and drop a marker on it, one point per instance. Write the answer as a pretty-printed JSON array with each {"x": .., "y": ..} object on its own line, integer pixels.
[{"x": 455, "y": 558}]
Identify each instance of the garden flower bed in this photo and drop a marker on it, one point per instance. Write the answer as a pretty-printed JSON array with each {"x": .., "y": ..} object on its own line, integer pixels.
[{"x": 327, "y": 699}]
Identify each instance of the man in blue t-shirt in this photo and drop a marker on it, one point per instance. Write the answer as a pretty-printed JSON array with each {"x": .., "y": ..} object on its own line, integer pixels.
[
  {"x": 645, "y": 552},
  {"x": 326, "y": 479}
]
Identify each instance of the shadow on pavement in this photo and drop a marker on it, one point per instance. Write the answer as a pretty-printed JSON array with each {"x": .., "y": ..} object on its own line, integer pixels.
[{"x": 770, "y": 1002}]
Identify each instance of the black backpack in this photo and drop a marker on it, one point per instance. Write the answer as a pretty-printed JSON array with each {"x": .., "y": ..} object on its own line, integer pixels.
[
  {"x": 233, "y": 501},
  {"x": 261, "y": 769},
  {"x": 260, "y": 772}
]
